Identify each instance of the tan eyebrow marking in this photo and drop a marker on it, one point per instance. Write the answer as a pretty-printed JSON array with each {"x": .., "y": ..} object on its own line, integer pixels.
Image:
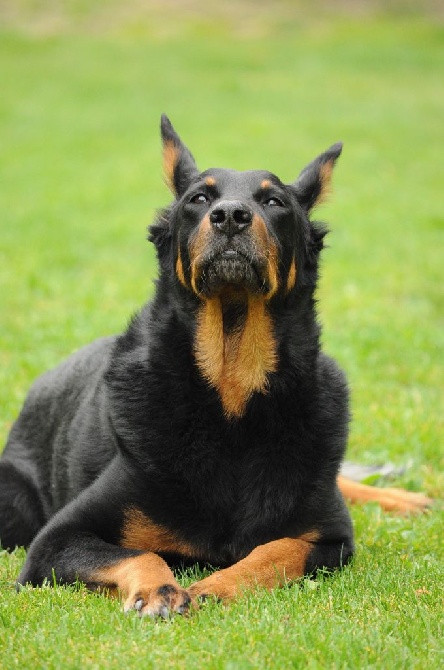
[
  {"x": 210, "y": 181},
  {"x": 266, "y": 183}
]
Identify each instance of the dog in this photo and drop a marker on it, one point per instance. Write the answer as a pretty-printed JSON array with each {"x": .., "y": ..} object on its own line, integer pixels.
[{"x": 212, "y": 431}]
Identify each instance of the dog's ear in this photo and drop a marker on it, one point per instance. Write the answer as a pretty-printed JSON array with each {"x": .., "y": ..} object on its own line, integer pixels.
[
  {"x": 178, "y": 163},
  {"x": 313, "y": 184}
]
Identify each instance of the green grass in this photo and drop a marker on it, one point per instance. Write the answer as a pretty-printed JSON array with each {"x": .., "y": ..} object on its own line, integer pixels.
[{"x": 81, "y": 179}]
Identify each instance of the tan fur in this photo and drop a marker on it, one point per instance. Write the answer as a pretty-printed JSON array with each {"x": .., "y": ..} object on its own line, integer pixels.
[
  {"x": 236, "y": 364},
  {"x": 210, "y": 181},
  {"x": 268, "y": 566},
  {"x": 291, "y": 279},
  {"x": 170, "y": 158},
  {"x": 325, "y": 176},
  {"x": 272, "y": 270},
  {"x": 179, "y": 270},
  {"x": 390, "y": 499},
  {"x": 139, "y": 532},
  {"x": 269, "y": 249},
  {"x": 197, "y": 248},
  {"x": 138, "y": 579}
]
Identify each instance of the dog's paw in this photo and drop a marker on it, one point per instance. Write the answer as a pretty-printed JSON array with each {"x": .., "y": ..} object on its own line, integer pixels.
[
  {"x": 401, "y": 501},
  {"x": 162, "y": 601},
  {"x": 218, "y": 586}
]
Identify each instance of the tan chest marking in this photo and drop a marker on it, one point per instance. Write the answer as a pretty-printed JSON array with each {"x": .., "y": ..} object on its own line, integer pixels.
[
  {"x": 139, "y": 532},
  {"x": 238, "y": 363}
]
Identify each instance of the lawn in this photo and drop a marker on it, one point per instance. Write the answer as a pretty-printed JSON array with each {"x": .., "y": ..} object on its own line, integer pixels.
[{"x": 82, "y": 94}]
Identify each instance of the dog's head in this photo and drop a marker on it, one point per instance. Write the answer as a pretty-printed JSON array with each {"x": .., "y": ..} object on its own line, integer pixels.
[
  {"x": 241, "y": 231},
  {"x": 235, "y": 246}
]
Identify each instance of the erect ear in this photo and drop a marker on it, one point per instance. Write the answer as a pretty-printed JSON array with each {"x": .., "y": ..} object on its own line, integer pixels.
[
  {"x": 313, "y": 184},
  {"x": 178, "y": 163}
]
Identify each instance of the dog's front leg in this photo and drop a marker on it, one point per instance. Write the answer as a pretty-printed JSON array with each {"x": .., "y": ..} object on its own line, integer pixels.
[
  {"x": 146, "y": 583},
  {"x": 270, "y": 565},
  {"x": 143, "y": 579},
  {"x": 85, "y": 541}
]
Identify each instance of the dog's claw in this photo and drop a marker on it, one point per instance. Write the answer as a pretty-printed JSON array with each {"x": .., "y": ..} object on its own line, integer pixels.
[
  {"x": 160, "y": 602},
  {"x": 138, "y": 604},
  {"x": 164, "y": 612}
]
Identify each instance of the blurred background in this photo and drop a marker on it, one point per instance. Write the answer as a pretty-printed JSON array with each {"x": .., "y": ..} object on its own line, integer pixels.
[{"x": 247, "y": 84}]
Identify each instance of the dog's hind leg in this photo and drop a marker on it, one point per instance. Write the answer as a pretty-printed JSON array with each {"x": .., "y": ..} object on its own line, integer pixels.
[
  {"x": 21, "y": 511},
  {"x": 399, "y": 501}
]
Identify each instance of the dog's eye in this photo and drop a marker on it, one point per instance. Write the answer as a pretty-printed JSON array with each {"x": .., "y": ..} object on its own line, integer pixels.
[
  {"x": 199, "y": 199},
  {"x": 274, "y": 202}
]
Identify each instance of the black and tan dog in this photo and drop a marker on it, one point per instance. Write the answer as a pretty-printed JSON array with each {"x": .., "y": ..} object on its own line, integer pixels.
[{"x": 213, "y": 429}]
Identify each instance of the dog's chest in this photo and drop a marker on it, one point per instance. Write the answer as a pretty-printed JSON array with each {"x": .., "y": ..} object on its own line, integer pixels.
[
  {"x": 230, "y": 484},
  {"x": 242, "y": 490}
]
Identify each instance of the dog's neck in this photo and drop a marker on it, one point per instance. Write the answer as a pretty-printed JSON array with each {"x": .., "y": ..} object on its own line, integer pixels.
[{"x": 235, "y": 347}]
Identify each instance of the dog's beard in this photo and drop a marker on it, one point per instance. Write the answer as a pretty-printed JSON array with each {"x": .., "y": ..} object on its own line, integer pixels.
[{"x": 231, "y": 269}]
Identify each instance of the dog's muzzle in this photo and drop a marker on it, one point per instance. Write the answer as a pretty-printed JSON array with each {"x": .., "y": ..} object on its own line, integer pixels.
[{"x": 232, "y": 255}]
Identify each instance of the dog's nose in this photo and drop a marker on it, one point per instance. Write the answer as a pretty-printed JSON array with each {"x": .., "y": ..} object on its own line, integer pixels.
[{"x": 231, "y": 217}]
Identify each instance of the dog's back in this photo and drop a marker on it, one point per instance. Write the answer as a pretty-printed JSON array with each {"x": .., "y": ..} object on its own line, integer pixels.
[{"x": 57, "y": 447}]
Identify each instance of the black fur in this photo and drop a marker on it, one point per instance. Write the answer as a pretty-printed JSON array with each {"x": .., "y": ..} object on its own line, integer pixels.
[{"x": 131, "y": 422}]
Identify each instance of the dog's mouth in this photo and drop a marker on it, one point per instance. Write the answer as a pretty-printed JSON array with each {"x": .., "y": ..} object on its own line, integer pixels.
[{"x": 231, "y": 268}]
